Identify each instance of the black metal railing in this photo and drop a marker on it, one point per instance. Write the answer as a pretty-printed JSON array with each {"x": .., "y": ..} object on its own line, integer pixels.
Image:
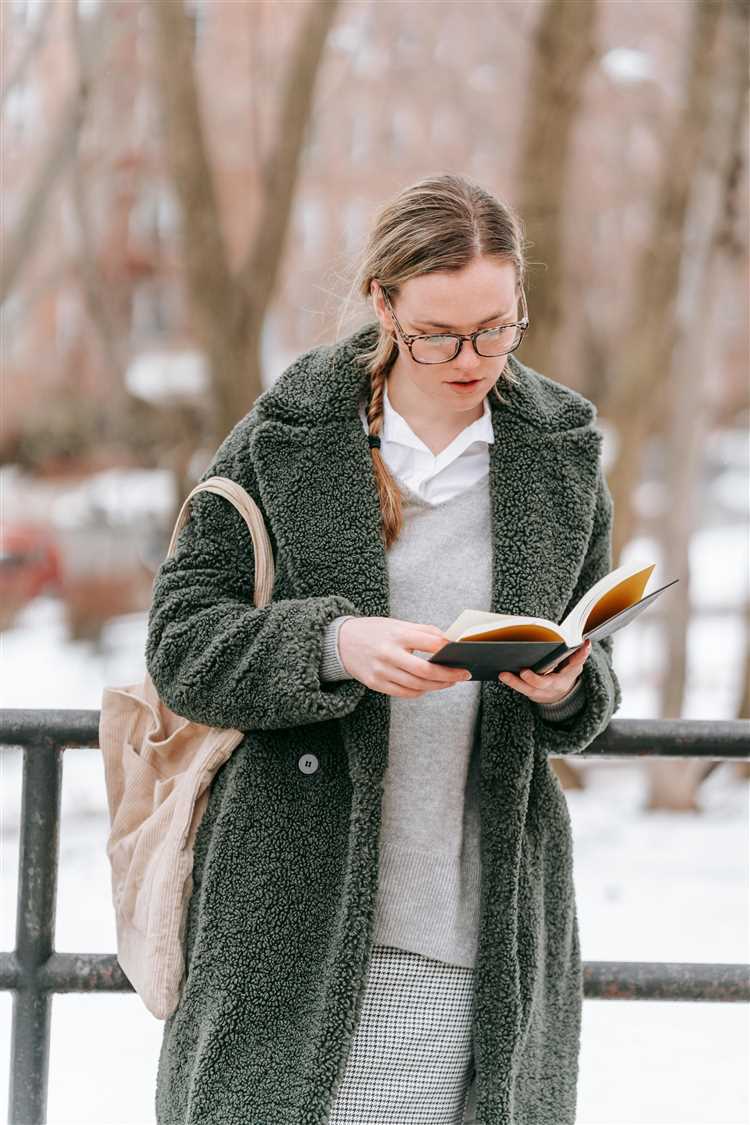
[{"x": 34, "y": 971}]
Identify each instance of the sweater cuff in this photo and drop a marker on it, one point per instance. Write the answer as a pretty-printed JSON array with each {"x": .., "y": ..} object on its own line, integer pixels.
[
  {"x": 566, "y": 707},
  {"x": 331, "y": 667}
]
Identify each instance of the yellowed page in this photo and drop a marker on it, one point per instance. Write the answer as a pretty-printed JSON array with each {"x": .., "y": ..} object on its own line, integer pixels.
[
  {"x": 622, "y": 596},
  {"x": 517, "y": 633}
]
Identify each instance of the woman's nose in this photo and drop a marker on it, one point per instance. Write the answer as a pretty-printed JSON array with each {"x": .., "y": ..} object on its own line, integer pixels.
[{"x": 467, "y": 359}]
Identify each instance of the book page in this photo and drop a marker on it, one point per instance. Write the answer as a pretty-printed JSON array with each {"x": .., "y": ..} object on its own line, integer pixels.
[
  {"x": 526, "y": 630},
  {"x": 507, "y": 627},
  {"x": 479, "y": 625},
  {"x": 623, "y": 595},
  {"x": 474, "y": 618},
  {"x": 574, "y": 625}
]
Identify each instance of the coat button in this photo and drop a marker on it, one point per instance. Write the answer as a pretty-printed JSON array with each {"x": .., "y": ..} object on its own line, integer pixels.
[{"x": 308, "y": 763}]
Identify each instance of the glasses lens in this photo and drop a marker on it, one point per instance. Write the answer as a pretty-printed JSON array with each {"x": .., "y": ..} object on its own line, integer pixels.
[
  {"x": 491, "y": 342},
  {"x": 434, "y": 349},
  {"x": 498, "y": 341}
]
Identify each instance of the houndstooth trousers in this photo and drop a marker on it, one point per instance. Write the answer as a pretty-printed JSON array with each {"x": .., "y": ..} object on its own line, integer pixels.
[{"x": 411, "y": 1061}]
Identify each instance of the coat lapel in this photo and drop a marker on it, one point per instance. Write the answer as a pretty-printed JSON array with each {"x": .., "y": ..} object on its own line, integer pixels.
[
  {"x": 543, "y": 490},
  {"x": 332, "y": 481}
]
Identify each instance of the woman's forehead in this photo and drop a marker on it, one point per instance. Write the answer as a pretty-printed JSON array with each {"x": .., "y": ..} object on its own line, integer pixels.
[{"x": 453, "y": 300}]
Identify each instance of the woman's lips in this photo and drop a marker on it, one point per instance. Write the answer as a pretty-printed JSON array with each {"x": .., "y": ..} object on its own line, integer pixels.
[{"x": 465, "y": 386}]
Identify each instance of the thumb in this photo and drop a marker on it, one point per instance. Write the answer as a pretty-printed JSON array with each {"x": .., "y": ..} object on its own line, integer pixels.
[{"x": 439, "y": 639}]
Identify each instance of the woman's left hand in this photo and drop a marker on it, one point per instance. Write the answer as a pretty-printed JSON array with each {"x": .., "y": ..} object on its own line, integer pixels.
[{"x": 555, "y": 685}]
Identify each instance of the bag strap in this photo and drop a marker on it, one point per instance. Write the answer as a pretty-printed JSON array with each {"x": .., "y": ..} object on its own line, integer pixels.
[{"x": 253, "y": 517}]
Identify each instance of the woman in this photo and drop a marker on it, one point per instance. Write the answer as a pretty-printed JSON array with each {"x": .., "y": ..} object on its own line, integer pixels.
[{"x": 383, "y": 926}]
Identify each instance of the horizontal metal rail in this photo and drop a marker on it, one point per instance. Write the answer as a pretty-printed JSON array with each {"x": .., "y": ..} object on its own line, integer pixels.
[
  {"x": 624, "y": 738},
  {"x": 602, "y": 980},
  {"x": 34, "y": 971}
]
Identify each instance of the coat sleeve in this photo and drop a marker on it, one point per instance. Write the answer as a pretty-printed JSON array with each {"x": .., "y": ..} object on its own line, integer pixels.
[
  {"x": 216, "y": 658},
  {"x": 600, "y": 687}
]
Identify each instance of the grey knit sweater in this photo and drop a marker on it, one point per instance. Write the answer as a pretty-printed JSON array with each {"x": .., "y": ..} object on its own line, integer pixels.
[{"x": 429, "y": 880}]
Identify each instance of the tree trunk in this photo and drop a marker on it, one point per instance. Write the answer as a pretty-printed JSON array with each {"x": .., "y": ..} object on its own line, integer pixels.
[
  {"x": 228, "y": 310},
  {"x": 564, "y": 47},
  {"x": 637, "y": 394},
  {"x": 60, "y": 146},
  {"x": 689, "y": 417}
]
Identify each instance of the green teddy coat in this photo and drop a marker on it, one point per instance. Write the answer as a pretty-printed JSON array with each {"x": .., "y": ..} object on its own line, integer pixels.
[{"x": 280, "y": 919}]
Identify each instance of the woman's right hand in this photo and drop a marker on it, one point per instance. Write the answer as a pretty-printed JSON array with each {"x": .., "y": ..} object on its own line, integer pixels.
[{"x": 378, "y": 651}]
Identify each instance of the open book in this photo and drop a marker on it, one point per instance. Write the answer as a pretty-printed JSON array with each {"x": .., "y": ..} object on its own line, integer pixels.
[{"x": 489, "y": 643}]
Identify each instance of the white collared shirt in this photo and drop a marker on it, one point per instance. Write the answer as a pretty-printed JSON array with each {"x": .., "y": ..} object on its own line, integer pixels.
[{"x": 435, "y": 478}]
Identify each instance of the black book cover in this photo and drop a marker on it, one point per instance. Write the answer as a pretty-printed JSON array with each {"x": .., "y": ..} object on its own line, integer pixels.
[{"x": 485, "y": 659}]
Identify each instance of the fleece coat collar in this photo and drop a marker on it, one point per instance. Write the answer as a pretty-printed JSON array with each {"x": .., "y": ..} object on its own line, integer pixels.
[{"x": 280, "y": 922}]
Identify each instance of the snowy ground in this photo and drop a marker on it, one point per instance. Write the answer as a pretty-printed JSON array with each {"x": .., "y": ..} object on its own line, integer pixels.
[{"x": 656, "y": 887}]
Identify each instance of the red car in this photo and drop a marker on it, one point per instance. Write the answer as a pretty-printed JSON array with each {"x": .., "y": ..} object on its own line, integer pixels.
[{"x": 29, "y": 565}]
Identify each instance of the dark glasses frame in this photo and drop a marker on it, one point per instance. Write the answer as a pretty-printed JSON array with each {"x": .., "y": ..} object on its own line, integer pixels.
[{"x": 409, "y": 339}]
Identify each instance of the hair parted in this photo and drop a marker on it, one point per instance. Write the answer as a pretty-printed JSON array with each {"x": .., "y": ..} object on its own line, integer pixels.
[{"x": 441, "y": 223}]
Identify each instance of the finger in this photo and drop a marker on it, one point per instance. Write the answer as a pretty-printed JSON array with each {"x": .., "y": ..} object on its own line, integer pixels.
[
  {"x": 514, "y": 681},
  {"x": 390, "y": 687},
  {"x": 538, "y": 694},
  {"x": 556, "y": 681},
  {"x": 426, "y": 670},
  {"x": 536, "y": 681},
  {"x": 400, "y": 671},
  {"x": 413, "y": 686},
  {"x": 575, "y": 659},
  {"x": 551, "y": 682},
  {"x": 424, "y": 637}
]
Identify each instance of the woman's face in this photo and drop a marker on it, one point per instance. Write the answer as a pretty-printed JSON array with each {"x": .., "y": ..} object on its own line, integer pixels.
[{"x": 480, "y": 296}]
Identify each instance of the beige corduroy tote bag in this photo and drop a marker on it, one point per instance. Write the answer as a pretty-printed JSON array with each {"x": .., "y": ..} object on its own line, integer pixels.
[{"x": 158, "y": 768}]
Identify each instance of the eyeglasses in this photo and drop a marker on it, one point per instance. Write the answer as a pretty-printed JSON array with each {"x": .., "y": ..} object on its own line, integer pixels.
[{"x": 443, "y": 347}]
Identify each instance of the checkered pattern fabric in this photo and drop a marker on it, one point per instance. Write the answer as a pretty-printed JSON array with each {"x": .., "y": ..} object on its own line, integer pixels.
[{"x": 411, "y": 1061}]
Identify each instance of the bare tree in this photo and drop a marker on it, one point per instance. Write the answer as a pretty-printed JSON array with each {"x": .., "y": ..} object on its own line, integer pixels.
[
  {"x": 228, "y": 306},
  {"x": 29, "y": 51},
  {"x": 57, "y": 153},
  {"x": 688, "y": 420},
  {"x": 563, "y": 47},
  {"x": 636, "y": 400},
  {"x": 95, "y": 292}
]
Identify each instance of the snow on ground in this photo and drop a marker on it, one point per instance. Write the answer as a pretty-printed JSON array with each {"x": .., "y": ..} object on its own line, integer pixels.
[{"x": 655, "y": 887}]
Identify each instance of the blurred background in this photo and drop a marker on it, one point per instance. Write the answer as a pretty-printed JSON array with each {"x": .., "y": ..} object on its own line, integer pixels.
[{"x": 187, "y": 185}]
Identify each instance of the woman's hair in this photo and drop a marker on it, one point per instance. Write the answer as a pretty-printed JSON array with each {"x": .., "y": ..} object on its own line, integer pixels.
[{"x": 440, "y": 223}]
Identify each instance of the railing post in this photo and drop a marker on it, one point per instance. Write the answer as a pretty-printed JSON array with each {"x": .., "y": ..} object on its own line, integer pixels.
[{"x": 35, "y": 932}]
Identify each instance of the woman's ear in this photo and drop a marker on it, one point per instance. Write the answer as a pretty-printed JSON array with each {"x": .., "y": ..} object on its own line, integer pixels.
[{"x": 378, "y": 303}]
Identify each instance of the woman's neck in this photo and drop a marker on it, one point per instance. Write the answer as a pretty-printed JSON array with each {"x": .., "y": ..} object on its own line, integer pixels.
[{"x": 436, "y": 431}]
